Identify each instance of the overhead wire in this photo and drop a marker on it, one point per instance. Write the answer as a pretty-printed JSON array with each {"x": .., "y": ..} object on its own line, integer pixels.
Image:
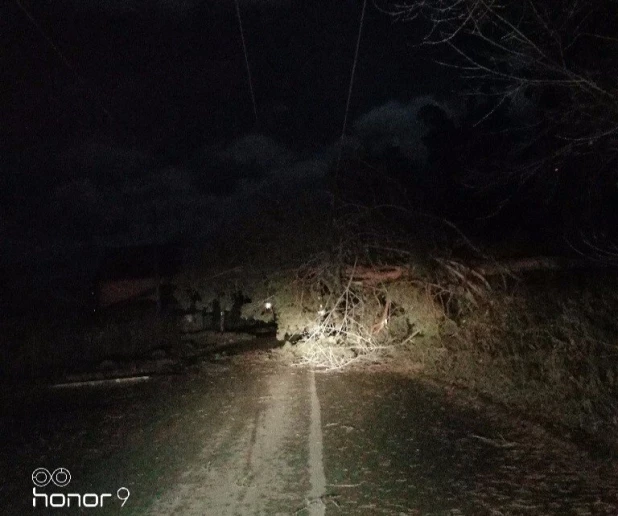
[
  {"x": 352, "y": 75},
  {"x": 246, "y": 54},
  {"x": 335, "y": 193},
  {"x": 58, "y": 52}
]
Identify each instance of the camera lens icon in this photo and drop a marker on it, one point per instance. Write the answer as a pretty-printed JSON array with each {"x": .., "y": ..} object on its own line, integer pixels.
[
  {"x": 60, "y": 477},
  {"x": 41, "y": 477}
]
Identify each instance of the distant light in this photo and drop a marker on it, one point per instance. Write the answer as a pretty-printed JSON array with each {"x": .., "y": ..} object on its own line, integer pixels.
[{"x": 268, "y": 305}]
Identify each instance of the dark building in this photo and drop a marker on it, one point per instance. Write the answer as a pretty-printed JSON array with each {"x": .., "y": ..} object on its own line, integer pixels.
[{"x": 136, "y": 273}]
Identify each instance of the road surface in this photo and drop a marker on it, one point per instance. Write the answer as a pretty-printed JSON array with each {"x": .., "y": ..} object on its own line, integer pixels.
[{"x": 254, "y": 436}]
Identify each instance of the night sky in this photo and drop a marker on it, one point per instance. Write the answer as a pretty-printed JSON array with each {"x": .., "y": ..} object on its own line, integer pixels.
[{"x": 111, "y": 110}]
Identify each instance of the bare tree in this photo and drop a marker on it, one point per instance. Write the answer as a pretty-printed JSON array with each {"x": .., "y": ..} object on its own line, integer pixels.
[{"x": 560, "y": 56}]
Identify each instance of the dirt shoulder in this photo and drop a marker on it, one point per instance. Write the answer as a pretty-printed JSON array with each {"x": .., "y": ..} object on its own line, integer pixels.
[{"x": 410, "y": 447}]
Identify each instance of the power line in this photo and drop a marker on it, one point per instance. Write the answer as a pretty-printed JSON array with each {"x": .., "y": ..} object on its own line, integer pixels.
[
  {"x": 49, "y": 41},
  {"x": 244, "y": 48},
  {"x": 347, "y": 107},
  {"x": 58, "y": 52},
  {"x": 335, "y": 193}
]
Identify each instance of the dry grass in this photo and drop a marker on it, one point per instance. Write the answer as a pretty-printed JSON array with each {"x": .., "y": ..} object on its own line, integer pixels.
[{"x": 547, "y": 346}]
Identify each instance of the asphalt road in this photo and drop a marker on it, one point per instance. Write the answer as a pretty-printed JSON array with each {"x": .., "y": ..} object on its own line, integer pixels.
[{"x": 250, "y": 435}]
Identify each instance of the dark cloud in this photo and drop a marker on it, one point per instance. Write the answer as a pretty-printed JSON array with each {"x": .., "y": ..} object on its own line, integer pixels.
[
  {"x": 398, "y": 125},
  {"x": 105, "y": 164},
  {"x": 110, "y": 194},
  {"x": 257, "y": 148}
]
